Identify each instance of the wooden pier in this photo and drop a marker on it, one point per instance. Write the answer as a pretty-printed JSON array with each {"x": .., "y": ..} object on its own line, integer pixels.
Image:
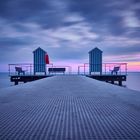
[
  {"x": 109, "y": 78},
  {"x": 69, "y": 108}
]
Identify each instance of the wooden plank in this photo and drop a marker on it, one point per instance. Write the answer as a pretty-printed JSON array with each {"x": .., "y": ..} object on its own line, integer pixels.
[{"x": 69, "y": 108}]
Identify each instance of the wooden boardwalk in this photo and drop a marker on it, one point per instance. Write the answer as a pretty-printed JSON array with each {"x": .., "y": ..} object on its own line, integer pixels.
[{"x": 69, "y": 108}]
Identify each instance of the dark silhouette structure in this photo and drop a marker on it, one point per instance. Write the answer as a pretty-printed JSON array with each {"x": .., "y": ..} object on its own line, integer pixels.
[
  {"x": 115, "y": 70},
  {"x": 39, "y": 61},
  {"x": 95, "y": 61},
  {"x": 19, "y": 70},
  {"x": 57, "y": 70}
]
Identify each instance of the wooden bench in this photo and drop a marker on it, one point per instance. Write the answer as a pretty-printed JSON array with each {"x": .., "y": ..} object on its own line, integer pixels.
[
  {"x": 19, "y": 70},
  {"x": 57, "y": 70},
  {"x": 115, "y": 70}
]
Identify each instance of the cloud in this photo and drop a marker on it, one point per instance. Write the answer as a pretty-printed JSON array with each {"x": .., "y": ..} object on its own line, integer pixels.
[
  {"x": 122, "y": 58},
  {"x": 131, "y": 20},
  {"x": 23, "y": 9},
  {"x": 67, "y": 30}
]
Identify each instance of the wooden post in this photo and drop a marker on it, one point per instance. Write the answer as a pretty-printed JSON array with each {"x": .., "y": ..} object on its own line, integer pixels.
[
  {"x": 120, "y": 83},
  {"x": 9, "y": 69},
  {"x": 112, "y": 82},
  {"x": 105, "y": 69},
  {"x": 78, "y": 70},
  {"x": 84, "y": 68},
  {"x": 30, "y": 69},
  {"x": 126, "y": 68},
  {"x": 16, "y": 82}
]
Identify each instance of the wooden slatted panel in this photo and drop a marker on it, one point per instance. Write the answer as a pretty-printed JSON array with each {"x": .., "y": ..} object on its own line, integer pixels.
[
  {"x": 95, "y": 60},
  {"x": 39, "y": 60}
]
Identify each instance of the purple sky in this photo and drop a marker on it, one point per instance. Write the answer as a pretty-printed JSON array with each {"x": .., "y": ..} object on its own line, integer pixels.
[{"x": 68, "y": 29}]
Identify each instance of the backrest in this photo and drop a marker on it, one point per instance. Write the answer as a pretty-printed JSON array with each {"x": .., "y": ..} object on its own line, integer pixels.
[
  {"x": 18, "y": 68},
  {"x": 116, "y": 68},
  {"x": 56, "y": 69}
]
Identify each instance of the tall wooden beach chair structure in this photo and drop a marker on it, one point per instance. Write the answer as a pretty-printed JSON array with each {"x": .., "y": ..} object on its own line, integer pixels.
[
  {"x": 39, "y": 56},
  {"x": 95, "y": 61}
]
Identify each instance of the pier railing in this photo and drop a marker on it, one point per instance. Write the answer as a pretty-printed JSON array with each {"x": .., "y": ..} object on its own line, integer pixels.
[
  {"x": 28, "y": 69},
  {"x": 106, "y": 69},
  {"x": 84, "y": 69}
]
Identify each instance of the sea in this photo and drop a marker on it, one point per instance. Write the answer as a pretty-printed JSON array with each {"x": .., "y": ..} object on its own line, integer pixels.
[{"x": 133, "y": 81}]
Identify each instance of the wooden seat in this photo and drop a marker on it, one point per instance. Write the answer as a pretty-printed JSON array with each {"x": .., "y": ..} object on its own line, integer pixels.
[
  {"x": 115, "y": 70},
  {"x": 56, "y": 70},
  {"x": 19, "y": 70}
]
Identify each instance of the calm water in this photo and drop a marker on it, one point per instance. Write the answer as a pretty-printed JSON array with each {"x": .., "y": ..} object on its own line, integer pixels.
[{"x": 133, "y": 81}]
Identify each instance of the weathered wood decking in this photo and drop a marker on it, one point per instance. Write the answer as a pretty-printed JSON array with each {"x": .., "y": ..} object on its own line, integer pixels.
[{"x": 69, "y": 108}]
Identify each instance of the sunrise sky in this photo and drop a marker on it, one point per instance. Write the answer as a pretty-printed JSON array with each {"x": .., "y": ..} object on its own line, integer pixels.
[{"x": 69, "y": 29}]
